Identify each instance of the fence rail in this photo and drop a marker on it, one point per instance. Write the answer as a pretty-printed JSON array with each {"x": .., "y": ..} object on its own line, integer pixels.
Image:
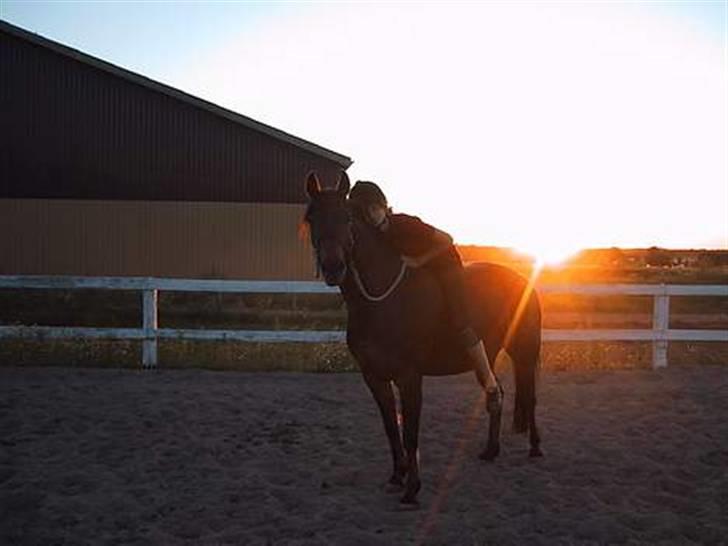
[{"x": 149, "y": 333}]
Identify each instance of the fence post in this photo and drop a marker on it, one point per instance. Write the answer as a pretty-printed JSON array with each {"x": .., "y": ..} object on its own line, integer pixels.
[
  {"x": 660, "y": 324},
  {"x": 149, "y": 323}
]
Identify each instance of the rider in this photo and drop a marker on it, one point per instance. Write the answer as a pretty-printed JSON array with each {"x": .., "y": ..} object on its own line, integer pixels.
[{"x": 422, "y": 245}]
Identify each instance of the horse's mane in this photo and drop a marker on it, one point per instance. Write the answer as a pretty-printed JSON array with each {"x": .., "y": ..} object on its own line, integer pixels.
[{"x": 304, "y": 231}]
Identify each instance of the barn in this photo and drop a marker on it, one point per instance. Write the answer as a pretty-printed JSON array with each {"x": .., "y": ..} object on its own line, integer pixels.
[{"x": 104, "y": 172}]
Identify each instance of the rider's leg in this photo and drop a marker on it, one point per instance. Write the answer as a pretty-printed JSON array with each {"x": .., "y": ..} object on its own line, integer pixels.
[
  {"x": 483, "y": 369},
  {"x": 453, "y": 283},
  {"x": 484, "y": 373}
]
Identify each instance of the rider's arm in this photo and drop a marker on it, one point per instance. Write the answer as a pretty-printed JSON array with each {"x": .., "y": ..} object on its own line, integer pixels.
[{"x": 441, "y": 241}]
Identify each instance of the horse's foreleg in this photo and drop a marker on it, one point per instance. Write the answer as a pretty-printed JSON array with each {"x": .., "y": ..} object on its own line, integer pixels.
[
  {"x": 384, "y": 396},
  {"x": 410, "y": 390}
]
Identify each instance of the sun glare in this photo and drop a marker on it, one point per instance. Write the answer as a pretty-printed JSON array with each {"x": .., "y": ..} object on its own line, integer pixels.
[
  {"x": 552, "y": 255},
  {"x": 585, "y": 124}
]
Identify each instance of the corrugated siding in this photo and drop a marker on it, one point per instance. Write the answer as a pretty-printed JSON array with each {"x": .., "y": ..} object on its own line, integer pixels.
[
  {"x": 160, "y": 238},
  {"x": 71, "y": 130}
]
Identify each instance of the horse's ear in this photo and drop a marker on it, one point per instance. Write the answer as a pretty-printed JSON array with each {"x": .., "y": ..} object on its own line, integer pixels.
[
  {"x": 344, "y": 184},
  {"x": 313, "y": 186}
]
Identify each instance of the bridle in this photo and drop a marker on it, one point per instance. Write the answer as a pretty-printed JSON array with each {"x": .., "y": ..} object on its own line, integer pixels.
[
  {"x": 351, "y": 265},
  {"x": 357, "y": 278}
]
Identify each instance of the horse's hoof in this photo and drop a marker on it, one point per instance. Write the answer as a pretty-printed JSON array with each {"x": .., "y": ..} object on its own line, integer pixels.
[
  {"x": 490, "y": 454},
  {"x": 535, "y": 452},
  {"x": 409, "y": 501},
  {"x": 391, "y": 487},
  {"x": 410, "y": 495}
]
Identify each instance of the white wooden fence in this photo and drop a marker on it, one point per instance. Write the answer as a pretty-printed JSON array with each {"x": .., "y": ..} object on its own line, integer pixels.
[{"x": 660, "y": 333}]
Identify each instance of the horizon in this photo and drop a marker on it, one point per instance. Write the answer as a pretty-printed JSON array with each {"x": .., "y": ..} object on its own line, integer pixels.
[
  {"x": 586, "y": 127},
  {"x": 622, "y": 248},
  {"x": 563, "y": 262}
]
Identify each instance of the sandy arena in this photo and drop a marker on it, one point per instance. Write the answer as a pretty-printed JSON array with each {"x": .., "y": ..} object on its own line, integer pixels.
[{"x": 92, "y": 456}]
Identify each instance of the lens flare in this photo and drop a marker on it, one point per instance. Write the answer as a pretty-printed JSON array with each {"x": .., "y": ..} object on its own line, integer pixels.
[{"x": 553, "y": 255}]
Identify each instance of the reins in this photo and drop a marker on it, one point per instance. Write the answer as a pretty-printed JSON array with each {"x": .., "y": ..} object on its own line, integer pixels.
[
  {"x": 387, "y": 293},
  {"x": 357, "y": 278}
]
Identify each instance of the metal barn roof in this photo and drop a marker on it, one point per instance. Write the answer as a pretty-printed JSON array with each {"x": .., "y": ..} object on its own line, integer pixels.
[{"x": 128, "y": 75}]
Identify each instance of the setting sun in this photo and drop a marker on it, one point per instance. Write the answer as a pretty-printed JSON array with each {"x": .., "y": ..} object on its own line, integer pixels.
[{"x": 551, "y": 256}]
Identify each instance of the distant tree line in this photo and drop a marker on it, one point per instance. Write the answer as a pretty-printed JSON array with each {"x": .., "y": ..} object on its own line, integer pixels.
[{"x": 609, "y": 257}]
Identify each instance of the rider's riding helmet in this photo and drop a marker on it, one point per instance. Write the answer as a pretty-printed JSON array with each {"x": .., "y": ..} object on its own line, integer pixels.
[{"x": 364, "y": 194}]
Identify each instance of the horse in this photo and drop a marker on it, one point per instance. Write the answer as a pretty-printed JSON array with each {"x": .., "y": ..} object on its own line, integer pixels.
[{"x": 398, "y": 330}]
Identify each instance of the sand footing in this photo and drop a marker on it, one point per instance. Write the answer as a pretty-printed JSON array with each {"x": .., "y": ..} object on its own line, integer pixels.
[{"x": 92, "y": 456}]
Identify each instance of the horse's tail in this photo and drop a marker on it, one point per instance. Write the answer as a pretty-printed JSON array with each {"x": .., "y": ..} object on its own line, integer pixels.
[{"x": 525, "y": 356}]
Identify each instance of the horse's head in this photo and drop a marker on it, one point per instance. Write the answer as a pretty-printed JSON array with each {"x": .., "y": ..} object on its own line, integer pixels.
[{"x": 330, "y": 227}]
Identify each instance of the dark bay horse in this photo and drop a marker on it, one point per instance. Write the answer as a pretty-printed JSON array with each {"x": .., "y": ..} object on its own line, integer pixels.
[{"x": 398, "y": 330}]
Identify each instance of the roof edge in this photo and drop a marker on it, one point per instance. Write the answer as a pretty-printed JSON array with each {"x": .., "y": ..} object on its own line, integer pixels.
[{"x": 139, "y": 79}]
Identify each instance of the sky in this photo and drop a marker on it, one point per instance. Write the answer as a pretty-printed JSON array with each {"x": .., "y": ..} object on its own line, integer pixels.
[{"x": 545, "y": 126}]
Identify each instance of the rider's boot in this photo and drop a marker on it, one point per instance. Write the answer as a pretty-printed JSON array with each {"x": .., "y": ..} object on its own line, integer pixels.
[{"x": 486, "y": 378}]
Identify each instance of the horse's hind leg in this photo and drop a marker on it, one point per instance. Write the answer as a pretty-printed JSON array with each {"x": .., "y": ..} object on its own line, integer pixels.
[
  {"x": 384, "y": 396},
  {"x": 492, "y": 449},
  {"x": 534, "y": 438}
]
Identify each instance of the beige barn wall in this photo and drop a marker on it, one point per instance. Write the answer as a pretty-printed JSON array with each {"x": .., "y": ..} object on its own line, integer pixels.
[{"x": 147, "y": 238}]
